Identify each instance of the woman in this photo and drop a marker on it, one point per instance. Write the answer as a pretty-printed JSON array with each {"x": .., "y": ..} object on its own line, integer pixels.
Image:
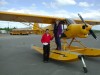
[{"x": 46, "y": 38}]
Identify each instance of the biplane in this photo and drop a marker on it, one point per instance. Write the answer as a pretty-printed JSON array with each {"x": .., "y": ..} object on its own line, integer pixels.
[{"x": 75, "y": 29}]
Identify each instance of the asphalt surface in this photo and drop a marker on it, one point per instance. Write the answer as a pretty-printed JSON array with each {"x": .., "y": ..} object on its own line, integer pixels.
[{"x": 18, "y": 58}]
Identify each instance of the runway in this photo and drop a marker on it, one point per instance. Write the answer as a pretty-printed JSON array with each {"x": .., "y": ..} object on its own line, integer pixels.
[{"x": 18, "y": 58}]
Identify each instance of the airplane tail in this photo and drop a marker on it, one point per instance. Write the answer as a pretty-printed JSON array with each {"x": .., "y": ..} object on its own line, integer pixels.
[
  {"x": 36, "y": 26},
  {"x": 37, "y": 29}
]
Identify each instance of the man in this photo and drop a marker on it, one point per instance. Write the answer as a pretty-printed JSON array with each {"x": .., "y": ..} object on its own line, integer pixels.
[
  {"x": 46, "y": 45},
  {"x": 57, "y": 33}
]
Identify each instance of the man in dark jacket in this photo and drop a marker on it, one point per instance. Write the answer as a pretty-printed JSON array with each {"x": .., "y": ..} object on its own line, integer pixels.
[{"x": 57, "y": 33}]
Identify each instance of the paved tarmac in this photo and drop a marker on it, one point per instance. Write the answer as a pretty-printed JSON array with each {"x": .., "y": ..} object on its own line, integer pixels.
[{"x": 18, "y": 58}]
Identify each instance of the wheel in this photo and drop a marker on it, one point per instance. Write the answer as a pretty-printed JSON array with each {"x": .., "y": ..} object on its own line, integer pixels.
[{"x": 85, "y": 69}]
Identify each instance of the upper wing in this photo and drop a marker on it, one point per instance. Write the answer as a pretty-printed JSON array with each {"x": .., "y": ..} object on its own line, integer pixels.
[
  {"x": 17, "y": 17},
  {"x": 91, "y": 22}
]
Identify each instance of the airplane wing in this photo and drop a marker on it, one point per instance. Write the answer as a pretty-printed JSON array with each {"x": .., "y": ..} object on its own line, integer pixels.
[
  {"x": 19, "y": 17},
  {"x": 91, "y": 22}
]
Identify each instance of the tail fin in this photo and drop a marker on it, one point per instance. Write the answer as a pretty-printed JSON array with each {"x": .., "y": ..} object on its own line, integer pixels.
[{"x": 36, "y": 26}]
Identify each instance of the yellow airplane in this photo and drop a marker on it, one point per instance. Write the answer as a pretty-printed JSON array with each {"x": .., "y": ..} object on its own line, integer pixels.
[{"x": 75, "y": 29}]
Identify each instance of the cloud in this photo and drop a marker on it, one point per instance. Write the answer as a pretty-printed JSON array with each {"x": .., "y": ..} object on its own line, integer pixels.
[
  {"x": 33, "y": 9},
  {"x": 3, "y": 2},
  {"x": 58, "y": 3},
  {"x": 85, "y": 4},
  {"x": 34, "y": 5},
  {"x": 66, "y": 2},
  {"x": 28, "y": 11},
  {"x": 50, "y": 5},
  {"x": 91, "y": 14},
  {"x": 56, "y": 13}
]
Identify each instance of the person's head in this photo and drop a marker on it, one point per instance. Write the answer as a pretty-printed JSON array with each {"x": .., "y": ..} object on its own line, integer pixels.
[
  {"x": 47, "y": 31},
  {"x": 57, "y": 22},
  {"x": 61, "y": 22}
]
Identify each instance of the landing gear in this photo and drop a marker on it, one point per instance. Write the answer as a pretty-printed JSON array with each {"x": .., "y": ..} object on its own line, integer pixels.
[
  {"x": 81, "y": 57},
  {"x": 85, "y": 69}
]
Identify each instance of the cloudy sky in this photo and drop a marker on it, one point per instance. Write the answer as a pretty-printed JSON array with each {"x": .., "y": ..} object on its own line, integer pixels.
[{"x": 89, "y": 9}]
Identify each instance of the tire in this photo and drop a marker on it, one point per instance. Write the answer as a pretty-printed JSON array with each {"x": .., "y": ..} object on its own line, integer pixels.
[{"x": 85, "y": 69}]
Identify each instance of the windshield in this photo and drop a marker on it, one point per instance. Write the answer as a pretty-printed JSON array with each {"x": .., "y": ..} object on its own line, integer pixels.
[{"x": 70, "y": 21}]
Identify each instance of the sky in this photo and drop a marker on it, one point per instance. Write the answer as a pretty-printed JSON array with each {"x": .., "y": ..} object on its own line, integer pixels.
[{"x": 89, "y": 9}]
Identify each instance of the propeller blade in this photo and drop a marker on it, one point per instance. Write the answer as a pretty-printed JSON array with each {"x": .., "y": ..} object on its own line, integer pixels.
[
  {"x": 92, "y": 33},
  {"x": 85, "y": 25},
  {"x": 82, "y": 20}
]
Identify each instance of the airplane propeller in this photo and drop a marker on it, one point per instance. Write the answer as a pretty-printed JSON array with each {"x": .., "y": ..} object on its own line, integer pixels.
[{"x": 85, "y": 25}]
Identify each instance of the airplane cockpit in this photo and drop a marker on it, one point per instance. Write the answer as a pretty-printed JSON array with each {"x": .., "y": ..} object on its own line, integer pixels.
[
  {"x": 67, "y": 23},
  {"x": 70, "y": 21}
]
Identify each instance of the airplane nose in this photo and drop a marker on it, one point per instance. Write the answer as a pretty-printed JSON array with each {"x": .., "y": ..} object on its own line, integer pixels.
[
  {"x": 89, "y": 27},
  {"x": 86, "y": 26}
]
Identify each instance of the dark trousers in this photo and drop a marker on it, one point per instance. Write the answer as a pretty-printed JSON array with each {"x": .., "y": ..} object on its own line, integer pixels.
[
  {"x": 58, "y": 42},
  {"x": 46, "y": 52}
]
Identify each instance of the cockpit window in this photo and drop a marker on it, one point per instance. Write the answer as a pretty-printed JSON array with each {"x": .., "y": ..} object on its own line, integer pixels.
[{"x": 70, "y": 21}]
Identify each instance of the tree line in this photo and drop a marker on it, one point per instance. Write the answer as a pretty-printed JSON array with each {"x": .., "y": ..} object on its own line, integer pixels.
[{"x": 7, "y": 28}]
